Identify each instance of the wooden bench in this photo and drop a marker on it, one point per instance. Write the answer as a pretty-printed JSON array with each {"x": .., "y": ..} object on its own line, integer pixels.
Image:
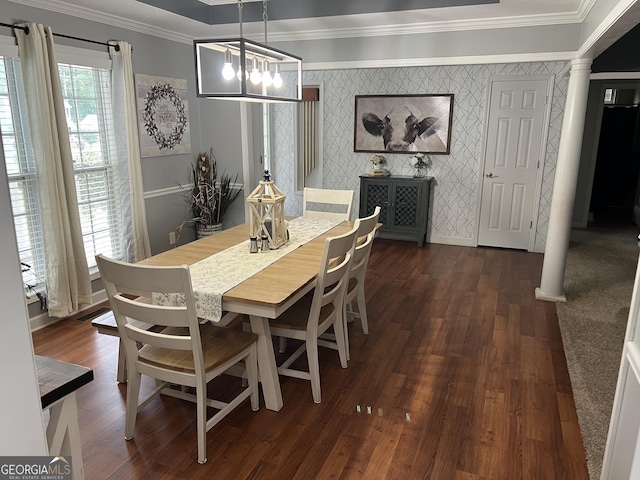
[{"x": 106, "y": 324}]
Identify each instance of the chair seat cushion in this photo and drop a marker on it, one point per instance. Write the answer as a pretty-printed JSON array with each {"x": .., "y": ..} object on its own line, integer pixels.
[
  {"x": 297, "y": 315},
  {"x": 219, "y": 344}
]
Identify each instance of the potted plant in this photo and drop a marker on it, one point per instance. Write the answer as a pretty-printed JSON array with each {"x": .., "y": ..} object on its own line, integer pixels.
[
  {"x": 420, "y": 162},
  {"x": 379, "y": 163},
  {"x": 210, "y": 195}
]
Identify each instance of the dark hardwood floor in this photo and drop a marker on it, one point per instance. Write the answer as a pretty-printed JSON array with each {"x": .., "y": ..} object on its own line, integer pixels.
[{"x": 463, "y": 374}]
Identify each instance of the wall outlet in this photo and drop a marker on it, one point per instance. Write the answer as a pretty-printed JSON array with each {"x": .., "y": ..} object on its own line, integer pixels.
[{"x": 172, "y": 238}]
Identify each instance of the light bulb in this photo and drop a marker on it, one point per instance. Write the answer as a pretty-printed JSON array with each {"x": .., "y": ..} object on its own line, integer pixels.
[
  {"x": 228, "y": 72},
  {"x": 255, "y": 76},
  {"x": 266, "y": 78},
  {"x": 239, "y": 74},
  {"x": 266, "y": 74},
  {"x": 277, "y": 80}
]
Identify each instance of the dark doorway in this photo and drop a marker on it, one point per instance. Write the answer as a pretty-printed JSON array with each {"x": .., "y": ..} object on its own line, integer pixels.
[{"x": 615, "y": 182}]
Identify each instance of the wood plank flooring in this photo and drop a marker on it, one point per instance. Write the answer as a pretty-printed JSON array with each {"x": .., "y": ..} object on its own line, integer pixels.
[{"x": 462, "y": 377}]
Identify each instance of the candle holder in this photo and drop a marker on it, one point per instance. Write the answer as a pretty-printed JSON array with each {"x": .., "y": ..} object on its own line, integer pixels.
[{"x": 266, "y": 205}]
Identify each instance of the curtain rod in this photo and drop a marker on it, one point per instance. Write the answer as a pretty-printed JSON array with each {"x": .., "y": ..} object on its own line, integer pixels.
[{"x": 26, "y": 30}]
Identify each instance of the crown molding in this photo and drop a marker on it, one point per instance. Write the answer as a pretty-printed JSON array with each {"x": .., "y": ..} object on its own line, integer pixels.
[
  {"x": 590, "y": 47},
  {"x": 443, "y": 61},
  {"x": 423, "y": 27},
  {"x": 108, "y": 19},
  {"x": 280, "y": 30},
  {"x": 584, "y": 8}
]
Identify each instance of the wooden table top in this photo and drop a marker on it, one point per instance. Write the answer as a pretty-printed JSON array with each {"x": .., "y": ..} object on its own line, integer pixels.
[
  {"x": 57, "y": 379},
  {"x": 270, "y": 287}
]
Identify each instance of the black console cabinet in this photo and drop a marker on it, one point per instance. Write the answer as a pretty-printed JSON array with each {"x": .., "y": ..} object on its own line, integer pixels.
[{"x": 404, "y": 205}]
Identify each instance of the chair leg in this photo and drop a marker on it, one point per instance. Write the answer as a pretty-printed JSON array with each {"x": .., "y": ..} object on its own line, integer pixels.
[
  {"x": 346, "y": 330},
  {"x": 246, "y": 327},
  {"x": 133, "y": 394},
  {"x": 362, "y": 309},
  {"x": 122, "y": 363},
  {"x": 201, "y": 421},
  {"x": 251, "y": 363},
  {"x": 338, "y": 328},
  {"x": 282, "y": 345},
  {"x": 314, "y": 368}
]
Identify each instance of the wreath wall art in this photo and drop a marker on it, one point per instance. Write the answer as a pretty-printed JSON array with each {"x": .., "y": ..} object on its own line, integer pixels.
[{"x": 163, "y": 116}]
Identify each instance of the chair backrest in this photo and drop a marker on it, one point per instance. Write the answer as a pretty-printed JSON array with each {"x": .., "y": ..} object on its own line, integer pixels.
[
  {"x": 337, "y": 204},
  {"x": 130, "y": 288},
  {"x": 334, "y": 272},
  {"x": 366, "y": 234}
]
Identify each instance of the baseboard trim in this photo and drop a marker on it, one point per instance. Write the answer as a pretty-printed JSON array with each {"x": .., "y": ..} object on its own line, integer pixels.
[
  {"x": 460, "y": 242},
  {"x": 540, "y": 295},
  {"x": 44, "y": 320}
]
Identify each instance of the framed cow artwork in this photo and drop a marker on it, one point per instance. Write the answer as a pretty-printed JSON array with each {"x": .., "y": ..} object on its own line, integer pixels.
[{"x": 403, "y": 123}]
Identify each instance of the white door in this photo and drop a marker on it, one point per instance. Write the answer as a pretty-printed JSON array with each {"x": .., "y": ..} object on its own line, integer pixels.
[
  {"x": 622, "y": 453},
  {"x": 514, "y": 146}
]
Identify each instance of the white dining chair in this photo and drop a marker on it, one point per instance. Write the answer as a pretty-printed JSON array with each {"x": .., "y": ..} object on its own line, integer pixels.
[
  {"x": 355, "y": 287},
  {"x": 333, "y": 204},
  {"x": 183, "y": 353},
  {"x": 319, "y": 310},
  {"x": 327, "y": 203}
]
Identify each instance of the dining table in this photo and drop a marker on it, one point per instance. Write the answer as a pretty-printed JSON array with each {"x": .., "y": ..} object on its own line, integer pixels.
[{"x": 262, "y": 296}]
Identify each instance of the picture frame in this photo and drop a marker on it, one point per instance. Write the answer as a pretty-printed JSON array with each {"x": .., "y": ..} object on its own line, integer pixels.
[
  {"x": 403, "y": 123},
  {"x": 163, "y": 115}
]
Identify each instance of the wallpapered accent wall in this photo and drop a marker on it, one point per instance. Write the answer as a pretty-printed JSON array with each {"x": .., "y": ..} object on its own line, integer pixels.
[{"x": 456, "y": 189}]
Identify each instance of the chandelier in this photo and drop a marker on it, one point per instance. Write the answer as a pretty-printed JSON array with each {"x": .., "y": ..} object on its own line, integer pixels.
[{"x": 240, "y": 69}]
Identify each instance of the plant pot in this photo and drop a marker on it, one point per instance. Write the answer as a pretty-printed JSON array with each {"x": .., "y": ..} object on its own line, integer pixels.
[{"x": 207, "y": 230}]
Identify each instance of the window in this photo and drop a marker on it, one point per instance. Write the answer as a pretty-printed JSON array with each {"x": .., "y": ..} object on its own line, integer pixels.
[
  {"x": 308, "y": 166},
  {"x": 87, "y": 97},
  {"x": 21, "y": 171},
  {"x": 609, "y": 95}
]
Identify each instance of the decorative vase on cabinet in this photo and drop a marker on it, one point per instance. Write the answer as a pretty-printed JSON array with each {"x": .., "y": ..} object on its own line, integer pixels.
[{"x": 404, "y": 205}]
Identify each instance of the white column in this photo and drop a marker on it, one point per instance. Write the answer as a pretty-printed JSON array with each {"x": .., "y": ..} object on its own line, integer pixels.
[
  {"x": 564, "y": 186},
  {"x": 21, "y": 418}
]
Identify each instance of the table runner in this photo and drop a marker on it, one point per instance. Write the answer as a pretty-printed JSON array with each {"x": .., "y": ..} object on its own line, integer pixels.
[{"x": 220, "y": 272}]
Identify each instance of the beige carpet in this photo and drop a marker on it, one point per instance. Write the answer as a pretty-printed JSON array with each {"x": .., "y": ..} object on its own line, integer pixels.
[{"x": 601, "y": 267}]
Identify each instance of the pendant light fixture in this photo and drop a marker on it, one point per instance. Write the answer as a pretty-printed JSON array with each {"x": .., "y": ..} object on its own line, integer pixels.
[{"x": 240, "y": 69}]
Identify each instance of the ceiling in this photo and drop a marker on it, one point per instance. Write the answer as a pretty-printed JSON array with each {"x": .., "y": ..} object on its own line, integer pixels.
[
  {"x": 218, "y": 12},
  {"x": 310, "y": 19}
]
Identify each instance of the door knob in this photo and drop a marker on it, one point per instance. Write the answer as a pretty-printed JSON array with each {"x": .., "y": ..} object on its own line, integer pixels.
[{"x": 491, "y": 175}]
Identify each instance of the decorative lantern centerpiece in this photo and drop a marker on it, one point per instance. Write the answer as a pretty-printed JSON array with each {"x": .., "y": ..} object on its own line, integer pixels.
[{"x": 266, "y": 205}]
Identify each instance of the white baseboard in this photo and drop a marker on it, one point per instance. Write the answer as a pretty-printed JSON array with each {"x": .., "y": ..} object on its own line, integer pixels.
[
  {"x": 460, "y": 242},
  {"x": 538, "y": 248},
  {"x": 468, "y": 242},
  {"x": 44, "y": 320},
  {"x": 540, "y": 295}
]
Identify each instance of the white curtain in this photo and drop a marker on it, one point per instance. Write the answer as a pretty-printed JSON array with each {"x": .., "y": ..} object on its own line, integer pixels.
[
  {"x": 136, "y": 237},
  {"x": 67, "y": 274}
]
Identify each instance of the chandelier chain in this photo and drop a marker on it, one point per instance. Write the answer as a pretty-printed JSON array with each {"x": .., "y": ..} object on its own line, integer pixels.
[
  {"x": 240, "y": 7},
  {"x": 265, "y": 17}
]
